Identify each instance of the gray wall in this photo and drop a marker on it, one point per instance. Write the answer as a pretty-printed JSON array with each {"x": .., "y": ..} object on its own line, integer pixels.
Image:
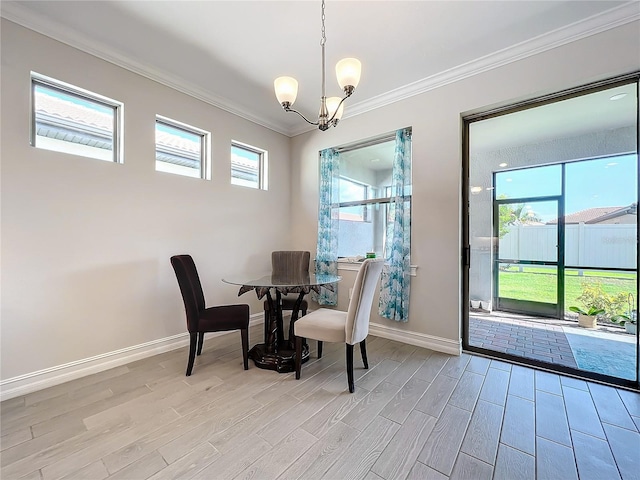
[
  {"x": 86, "y": 243},
  {"x": 437, "y": 162}
]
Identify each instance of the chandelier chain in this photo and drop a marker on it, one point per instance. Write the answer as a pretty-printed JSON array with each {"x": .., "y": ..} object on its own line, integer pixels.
[
  {"x": 323, "y": 40},
  {"x": 348, "y": 74},
  {"x": 323, "y": 105}
]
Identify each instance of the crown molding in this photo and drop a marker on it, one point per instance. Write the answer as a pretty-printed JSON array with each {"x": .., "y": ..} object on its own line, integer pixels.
[
  {"x": 626, "y": 13},
  {"x": 616, "y": 17},
  {"x": 18, "y": 14}
]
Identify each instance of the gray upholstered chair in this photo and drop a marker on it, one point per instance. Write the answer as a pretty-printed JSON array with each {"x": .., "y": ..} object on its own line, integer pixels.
[
  {"x": 201, "y": 319},
  {"x": 350, "y": 327},
  {"x": 283, "y": 262}
]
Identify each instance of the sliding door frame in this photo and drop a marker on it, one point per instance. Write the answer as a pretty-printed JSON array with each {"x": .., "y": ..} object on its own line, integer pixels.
[
  {"x": 530, "y": 306},
  {"x": 633, "y": 77}
]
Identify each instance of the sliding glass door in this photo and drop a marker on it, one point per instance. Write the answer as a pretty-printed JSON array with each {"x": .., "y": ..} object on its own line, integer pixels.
[{"x": 551, "y": 232}]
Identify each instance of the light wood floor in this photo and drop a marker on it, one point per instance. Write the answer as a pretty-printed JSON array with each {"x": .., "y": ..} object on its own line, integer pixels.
[{"x": 415, "y": 414}]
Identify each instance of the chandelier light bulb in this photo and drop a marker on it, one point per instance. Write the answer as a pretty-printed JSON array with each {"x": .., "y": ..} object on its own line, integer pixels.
[
  {"x": 286, "y": 90},
  {"x": 348, "y": 73},
  {"x": 332, "y": 104},
  {"x": 331, "y": 108}
]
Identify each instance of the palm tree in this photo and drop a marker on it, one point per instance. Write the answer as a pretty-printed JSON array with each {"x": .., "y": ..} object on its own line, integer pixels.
[{"x": 514, "y": 214}]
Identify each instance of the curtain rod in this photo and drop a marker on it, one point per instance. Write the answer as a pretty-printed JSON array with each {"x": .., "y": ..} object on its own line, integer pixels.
[{"x": 368, "y": 143}]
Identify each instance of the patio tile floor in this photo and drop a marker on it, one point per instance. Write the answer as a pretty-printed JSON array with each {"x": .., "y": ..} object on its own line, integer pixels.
[
  {"x": 538, "y": 340},
  {"x": 606, "y": 349}
]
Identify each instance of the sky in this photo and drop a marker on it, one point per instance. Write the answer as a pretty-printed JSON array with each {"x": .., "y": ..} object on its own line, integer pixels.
[{"x": 605, "y": 182}]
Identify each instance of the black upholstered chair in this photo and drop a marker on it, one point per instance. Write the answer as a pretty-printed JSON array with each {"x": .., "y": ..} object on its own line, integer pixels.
[
  {"x": 283, "y": 262},
  {"x": 201, "y": 319}
]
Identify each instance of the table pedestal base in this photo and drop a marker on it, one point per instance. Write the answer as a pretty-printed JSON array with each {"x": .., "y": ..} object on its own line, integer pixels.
[{"x": 282, "y": 362}]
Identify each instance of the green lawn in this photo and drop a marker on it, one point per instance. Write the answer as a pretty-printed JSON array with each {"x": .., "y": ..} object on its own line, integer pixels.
[{"x": 537, "y": 284}]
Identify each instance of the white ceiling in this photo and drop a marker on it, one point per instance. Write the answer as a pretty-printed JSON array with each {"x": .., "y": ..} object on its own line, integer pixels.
[
  {"x": 586, "y": 114},
  {"x": 229, "y": 52}
]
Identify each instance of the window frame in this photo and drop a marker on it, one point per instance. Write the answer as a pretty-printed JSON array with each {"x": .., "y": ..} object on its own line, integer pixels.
[
  {"x": 357, "y": 203},
  {"x": 205, "y": 145},
  {"x": 385, "y": 201},
  {"x": 375, "y": 201},
  {"x": 263, "y": 162},
  {"x": 83, "y": 94}
]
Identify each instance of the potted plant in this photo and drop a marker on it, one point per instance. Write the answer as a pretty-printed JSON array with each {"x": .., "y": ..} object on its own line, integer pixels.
[
  {"x": 587, "y": 318},
  {"x": 630, "y": 321}
]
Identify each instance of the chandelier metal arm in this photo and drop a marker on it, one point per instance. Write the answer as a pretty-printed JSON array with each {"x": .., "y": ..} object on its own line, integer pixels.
[
  {"x": 287, "y": 108},
  {"x": 322, "y": 122},
  {"x": 348, "y": 94},
  {"x": 348, "y": 74}
]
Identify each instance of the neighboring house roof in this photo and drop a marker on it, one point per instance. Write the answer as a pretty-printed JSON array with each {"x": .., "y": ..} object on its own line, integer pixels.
[
  {"x": 61, "y": 112},
  {"x": 57, "y": 118},
  {"x": 597, "y": 214},
  {"x": 628, "y": 210},
  {"x": 58, "y": 107}
]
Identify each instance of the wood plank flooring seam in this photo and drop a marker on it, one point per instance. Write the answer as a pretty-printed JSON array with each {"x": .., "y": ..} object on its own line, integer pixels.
[{"x": 483, "y": 419}]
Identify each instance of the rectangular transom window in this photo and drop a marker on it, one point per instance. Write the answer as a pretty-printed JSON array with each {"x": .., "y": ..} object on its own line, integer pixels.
[
  {"x": 248, "y": 166},
  {"x": 72, "y": 120},
  {"x": 181, "y": 149}
]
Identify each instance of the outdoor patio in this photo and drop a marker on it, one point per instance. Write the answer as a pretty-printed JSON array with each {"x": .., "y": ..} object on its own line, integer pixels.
[{"x": 606, "y": 349}]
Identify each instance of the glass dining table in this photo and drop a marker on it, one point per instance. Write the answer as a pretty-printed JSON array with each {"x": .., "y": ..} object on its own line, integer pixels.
[{"x": 278, "y": 352}]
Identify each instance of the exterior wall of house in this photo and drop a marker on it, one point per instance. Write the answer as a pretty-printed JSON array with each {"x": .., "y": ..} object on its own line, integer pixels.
[
  {"x": 435, "y": 311},
  {"x": 86, "y": 243},
  {"x": 625, "y": 219}
]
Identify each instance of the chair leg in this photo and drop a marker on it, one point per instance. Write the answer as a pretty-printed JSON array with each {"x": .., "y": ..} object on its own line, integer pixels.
[
  {"x": 193, "y": 337},
  {"x": 200, "y": 342},
  {"x": 319, "y": 349},
  {"x": 298, "y": 356},
  {"x": 244, "y": 332},
  {"x": 363, "y": 351},
  {"x": 350, "y": 367}
]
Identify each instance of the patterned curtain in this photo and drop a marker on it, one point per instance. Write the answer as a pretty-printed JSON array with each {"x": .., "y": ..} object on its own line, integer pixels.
[
  {"x": 395, "y": 281},
  {"x": 327, "y": 253}
]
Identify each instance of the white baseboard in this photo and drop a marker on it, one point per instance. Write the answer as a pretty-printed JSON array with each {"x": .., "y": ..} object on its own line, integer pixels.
[
  {"x": 49, "y": 377},
  {"x": 438, "y": 344}
]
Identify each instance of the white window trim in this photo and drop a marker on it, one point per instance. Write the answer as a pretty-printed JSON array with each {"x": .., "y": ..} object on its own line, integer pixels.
[
  {"x": 263, "y": 173},
  {"x": 52, "y": 83},
  {"x": 205, "y": 154},
  {"x": 353, "y": 264}
]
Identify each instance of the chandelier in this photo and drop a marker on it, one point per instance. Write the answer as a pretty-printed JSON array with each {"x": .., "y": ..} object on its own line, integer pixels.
[{"x": 332, "y": 108}]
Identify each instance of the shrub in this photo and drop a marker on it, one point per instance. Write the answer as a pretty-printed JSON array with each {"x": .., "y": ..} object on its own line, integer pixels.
[{"x": 594, "y": 296}]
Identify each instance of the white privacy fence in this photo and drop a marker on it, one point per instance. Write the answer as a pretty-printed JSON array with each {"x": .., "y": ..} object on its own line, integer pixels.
[{"x": 602, "y": 245}]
